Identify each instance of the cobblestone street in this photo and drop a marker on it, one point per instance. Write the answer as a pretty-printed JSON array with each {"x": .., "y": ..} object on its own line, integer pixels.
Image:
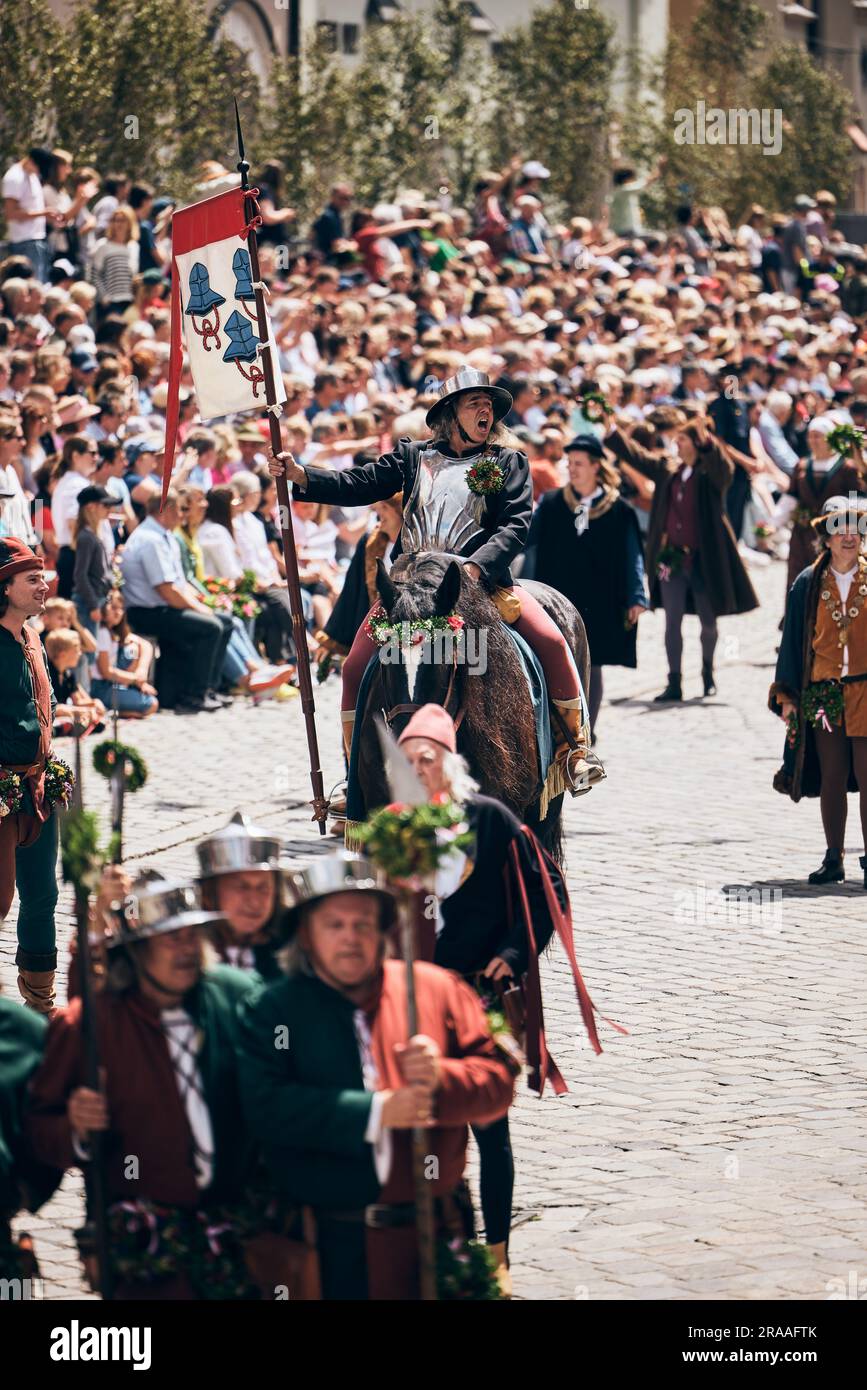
[{"x": 719, "y": 1149}]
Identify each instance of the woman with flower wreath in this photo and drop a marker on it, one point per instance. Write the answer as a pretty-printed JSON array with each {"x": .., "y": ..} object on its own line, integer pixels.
[
  {"x": 820, "y": 686},
  {"x": 467, "y": 492},
  {"x": 28, "y": 786}
]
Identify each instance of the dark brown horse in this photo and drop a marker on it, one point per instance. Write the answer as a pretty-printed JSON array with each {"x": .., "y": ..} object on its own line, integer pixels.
[{"x": 483, "y": 688}]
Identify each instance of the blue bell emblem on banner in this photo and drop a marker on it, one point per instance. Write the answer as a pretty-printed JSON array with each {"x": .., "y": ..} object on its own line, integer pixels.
[
  {"x": 243, "y": 275},
  {"x": 244, "y": 343},
  {"x": 202, "y": 297},
  {"x": 244, "y": 348},
  {"x": 201, "y": 302}
]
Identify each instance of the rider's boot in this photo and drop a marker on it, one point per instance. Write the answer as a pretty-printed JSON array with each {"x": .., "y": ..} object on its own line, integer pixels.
[
  {"x": 337, "y": 804},
  {"x": 581, "y": 768}
]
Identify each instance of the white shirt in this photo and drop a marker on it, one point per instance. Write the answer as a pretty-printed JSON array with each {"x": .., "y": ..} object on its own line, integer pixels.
[
  {"x": 374, "y": 1134},
  {"x": 180, "y": 1031},
  {"x": 64, "y": 504},
  {"x": 844, "y": 584},
  {"x": 220, "y": 555},
  {"x": 317, "y": 542},
  {"x": 16, "y": 510},
  {"x": 253, "y": 549},
  {"x": 26, "y": 189}
]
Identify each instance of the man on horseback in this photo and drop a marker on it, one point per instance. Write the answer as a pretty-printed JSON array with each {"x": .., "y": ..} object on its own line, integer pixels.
[{"x": 468, "y": 493}]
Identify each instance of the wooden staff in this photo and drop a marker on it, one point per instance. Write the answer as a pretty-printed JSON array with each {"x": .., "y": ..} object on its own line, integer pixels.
[
  {"x": 94, "y": 1168},
  {"x": 412, "y": 920},
  {"x": 299, "y": 630}
]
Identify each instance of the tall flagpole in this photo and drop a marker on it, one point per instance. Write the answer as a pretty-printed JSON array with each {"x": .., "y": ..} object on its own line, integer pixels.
[{"x": 299, "y": 630}]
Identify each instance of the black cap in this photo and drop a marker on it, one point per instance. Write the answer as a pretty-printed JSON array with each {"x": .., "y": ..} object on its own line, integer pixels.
[
  {"x": 588, "y": 444},
  {"x": 95, "y": 494}
]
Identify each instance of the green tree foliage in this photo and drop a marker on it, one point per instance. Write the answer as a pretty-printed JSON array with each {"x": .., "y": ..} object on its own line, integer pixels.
[
  {"x": 148, "y": 88},
  {"x": 29, "y": 43},
  {"x": 553, "y": 95},
  {"x": 740, "y": 73}
]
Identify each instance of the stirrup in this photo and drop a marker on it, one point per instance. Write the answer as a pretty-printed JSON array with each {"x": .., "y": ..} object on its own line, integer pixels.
[{"x": 582, "y": 769}]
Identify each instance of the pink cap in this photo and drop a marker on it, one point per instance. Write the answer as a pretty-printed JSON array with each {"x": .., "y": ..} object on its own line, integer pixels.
[{"x": 434, "y": 723}]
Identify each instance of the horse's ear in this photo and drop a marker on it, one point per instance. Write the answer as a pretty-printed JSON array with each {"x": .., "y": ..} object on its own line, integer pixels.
[
  {"x": 384, "y": 587},
  {"x": 449, "y": 591}
]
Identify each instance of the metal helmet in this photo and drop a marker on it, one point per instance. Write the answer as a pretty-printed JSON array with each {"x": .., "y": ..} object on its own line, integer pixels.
[
  {"x": 340, "y": 872},
  {"x": 467, "y": 379},
  {"x": 239, "y": 847},
  {"x": 156, "y": 905}
]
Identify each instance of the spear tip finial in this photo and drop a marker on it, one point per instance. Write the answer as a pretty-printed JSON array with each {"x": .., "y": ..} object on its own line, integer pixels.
[{"x": 243, "y": 165}]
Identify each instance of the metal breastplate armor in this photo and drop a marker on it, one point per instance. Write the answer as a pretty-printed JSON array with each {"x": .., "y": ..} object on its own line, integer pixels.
[{"x": 442, "y": 513}]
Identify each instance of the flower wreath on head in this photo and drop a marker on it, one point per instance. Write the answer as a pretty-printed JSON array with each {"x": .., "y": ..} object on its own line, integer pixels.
[{"x": 381, "y": 629}]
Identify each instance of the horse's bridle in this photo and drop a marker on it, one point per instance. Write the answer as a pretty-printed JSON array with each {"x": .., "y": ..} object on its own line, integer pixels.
[{"x": 395, "y": 710}]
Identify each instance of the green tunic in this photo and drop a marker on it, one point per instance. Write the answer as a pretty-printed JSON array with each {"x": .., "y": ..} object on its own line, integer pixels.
[{"x": 302, "y": 1086}]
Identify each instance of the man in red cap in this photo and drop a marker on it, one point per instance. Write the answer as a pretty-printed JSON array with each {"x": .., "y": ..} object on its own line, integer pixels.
[{"x": 28, "y": 826}]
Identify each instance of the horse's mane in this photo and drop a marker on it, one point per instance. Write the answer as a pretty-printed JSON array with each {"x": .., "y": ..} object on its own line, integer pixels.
[{"x": 499, "y": 743}]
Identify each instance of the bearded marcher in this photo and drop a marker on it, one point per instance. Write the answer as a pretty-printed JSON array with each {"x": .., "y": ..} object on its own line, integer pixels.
[
  {"x": 820, "y": 686},
  {"x": 166, "y": 1036},
  {"x": 28, "y": 828},
  {"x": 585, "y": 541},
  {"x": 467, "y": 492},
  {"x": 482, "y": 934},
  {"x": 333, "y": 1107},
  {"x": 692, "y": 556},
  {"x": 824, "y": 473},
  {"x": 240, "y": 880}
]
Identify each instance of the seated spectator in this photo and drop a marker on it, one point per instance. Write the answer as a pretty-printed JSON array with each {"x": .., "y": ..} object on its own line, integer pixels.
[
  {"x": 63, "y": 649},
  {"x": 216, "y": 537},
  {"x": 243, "y": 667},
  {"x": 123, "y": 664},
  {"x": 255, "y": 555},
  {"x": 162, "y": 604},
  {"x": 316, "y": 541}
]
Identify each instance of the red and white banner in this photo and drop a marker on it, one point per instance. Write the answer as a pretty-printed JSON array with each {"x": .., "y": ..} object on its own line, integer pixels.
[{"x": 214, "y": 316}]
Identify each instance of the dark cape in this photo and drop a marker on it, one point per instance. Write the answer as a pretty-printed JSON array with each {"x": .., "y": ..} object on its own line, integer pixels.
[
  {"x": 722, "y": 569},
  {"x": 477, "y": 915},
  {"x": 590, "y": 569},
  {"x": 507, "y": 513},
  {"x": 800, "y": 774}
]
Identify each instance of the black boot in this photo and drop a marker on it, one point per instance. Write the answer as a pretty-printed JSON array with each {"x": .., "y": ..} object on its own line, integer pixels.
[
  {"x": 863, "y": 862},
  {"x": 831, "y": 870},
  {"x": 673, "y": 690},
  {"x": 707, "y": 678}
]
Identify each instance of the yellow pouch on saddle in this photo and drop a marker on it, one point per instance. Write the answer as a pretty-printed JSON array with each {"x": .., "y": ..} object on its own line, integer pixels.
[{"x": 507, "y": 604}]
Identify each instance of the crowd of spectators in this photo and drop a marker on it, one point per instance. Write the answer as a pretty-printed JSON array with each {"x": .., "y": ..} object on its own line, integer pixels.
[{"x": 759, "y": 327}]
